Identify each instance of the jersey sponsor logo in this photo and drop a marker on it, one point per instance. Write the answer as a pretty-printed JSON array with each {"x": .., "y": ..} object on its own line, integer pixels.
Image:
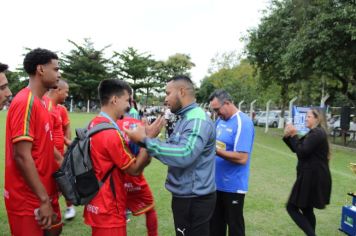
[
  {"x": 131, "y": 188},
  {"x": 47, "y": 127},
  {"x": 229, "y": 130},
  {"x": 93, "y": 209}
]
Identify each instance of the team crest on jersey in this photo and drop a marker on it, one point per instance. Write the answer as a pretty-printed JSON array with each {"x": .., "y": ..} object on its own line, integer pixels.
[{"x": 46, "y": 127}]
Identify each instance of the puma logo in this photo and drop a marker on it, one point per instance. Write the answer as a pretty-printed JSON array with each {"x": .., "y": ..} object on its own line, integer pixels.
[
  {"x": 181, "y": 230},
  {"x": 235, "y": 202}
]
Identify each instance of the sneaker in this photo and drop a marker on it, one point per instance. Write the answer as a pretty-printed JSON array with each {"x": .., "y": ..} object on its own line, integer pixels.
[
  {"x": 70, "y": 213},
  {"x": 128, "y": 212}
]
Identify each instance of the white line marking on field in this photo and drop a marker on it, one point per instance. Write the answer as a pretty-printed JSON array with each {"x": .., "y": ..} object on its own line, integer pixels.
[{"x": 291, "y": 155}]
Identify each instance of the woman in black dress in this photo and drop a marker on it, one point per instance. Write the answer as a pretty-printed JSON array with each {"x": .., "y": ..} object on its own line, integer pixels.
[{"x": 312, "y": 188}]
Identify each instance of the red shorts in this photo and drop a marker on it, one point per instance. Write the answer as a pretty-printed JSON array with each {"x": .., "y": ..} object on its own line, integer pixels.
[
  {"x": 21, "y": 225},
  {"x": 140, "y": 200},
  {"x": 121, "y": 231}
]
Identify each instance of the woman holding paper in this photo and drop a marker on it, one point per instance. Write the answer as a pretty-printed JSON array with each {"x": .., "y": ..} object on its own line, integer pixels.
[{"x": 312, "y": 187}]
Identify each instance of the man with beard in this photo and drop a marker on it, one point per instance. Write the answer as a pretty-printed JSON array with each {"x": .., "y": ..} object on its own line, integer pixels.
[
  {"x": 31, "y": 195},
  {"x": 189, "y": 153}
]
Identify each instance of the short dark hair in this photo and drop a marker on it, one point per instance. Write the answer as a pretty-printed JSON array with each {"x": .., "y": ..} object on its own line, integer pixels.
[
  {"x": 110, "y": 87},
  {"x": 221, "y": 95},
  {"x": 37, "y": 57},
  {"x": 3, "y": 67},
  {"x": 186, "y": 80}
]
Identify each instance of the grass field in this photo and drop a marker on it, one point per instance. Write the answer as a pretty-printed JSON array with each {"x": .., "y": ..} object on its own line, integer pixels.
[{"x": 272, "y": 176}]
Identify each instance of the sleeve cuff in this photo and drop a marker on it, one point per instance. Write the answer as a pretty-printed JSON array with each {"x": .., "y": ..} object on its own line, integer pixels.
[{"x": 143, "y": 143}]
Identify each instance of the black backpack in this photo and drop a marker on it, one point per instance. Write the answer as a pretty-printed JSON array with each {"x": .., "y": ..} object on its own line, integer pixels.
[{"x": 75, "y": 178}]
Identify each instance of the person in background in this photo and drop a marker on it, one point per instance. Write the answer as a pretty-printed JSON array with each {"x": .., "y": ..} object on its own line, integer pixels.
[
  {"x": 189, "y": 153},
  {"x": 133, "y": 109},
  {"x": 60, "y": 126},
  {"x": 234, "y": 142},
  {"x": 31, "y": 194},
  {"x": 170, "y": 121},
  {"x": 312, "y": 188},
  {"x": 5, "y": 92}
]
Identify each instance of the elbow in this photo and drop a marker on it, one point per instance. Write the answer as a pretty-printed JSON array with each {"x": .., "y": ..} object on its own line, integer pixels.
[
  {"x": 136, "y": 173},
  {"x": 135, "y": 170}
]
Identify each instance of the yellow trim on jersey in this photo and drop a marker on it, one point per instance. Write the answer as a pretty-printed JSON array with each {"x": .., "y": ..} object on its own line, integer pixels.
[
  {"x": 28, "y": 113},
  {"x": 143, "y": 210},
  {"x": 22, "y": 138},
  {"x": 50, "y": 105},
  {"x": 128, "y": 164},
  {"x": 124, "y": 145}
]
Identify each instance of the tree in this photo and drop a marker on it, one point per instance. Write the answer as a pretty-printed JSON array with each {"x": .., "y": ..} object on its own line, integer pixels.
[
  {"x": 17, "y": 80},
  {"x": 225, "y": 60},
  {"x": 269, "y": 43},
  {"x": 177, "y": 64},
  {"x": 84, "y": 67},
  {"x": 326, "y": 46},
  {"x": 137, "y": 69},
  {"x": 239, "y": 81}
]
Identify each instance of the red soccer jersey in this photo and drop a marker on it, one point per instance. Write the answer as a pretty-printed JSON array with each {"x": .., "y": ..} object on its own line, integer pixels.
[
  {"x": 28, "y": 120},
  {"x": 108, "y": 148},
  {"x": 131, "y": 182},
  {"x": 64, "y": 114},
  {"x": 56, "y": 124}
]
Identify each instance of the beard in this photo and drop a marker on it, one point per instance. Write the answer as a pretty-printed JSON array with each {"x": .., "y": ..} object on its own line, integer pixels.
[{"x": 177, "y": 106}]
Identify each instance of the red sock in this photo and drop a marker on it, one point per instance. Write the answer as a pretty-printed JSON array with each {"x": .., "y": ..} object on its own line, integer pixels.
[{"x": 152, "y": 222}]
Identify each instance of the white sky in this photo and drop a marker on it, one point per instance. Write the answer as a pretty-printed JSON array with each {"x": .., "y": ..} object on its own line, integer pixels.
[{"x": 200, "y": 28}]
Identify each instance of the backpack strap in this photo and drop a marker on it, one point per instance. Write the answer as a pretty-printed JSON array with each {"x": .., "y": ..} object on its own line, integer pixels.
[
  {"x": 101, "y": 182},
  {"x": 100, "y": 127},
  {"x": 96, "y": 129}
]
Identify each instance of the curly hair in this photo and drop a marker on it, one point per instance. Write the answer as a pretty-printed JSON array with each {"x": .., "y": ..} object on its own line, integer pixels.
[
  {"x": 37, "y": 57},
  {"x": 3, "y": 67}
]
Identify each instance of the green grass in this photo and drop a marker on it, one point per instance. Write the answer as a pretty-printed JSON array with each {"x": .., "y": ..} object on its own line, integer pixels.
[{"x": 272, "y": 176}]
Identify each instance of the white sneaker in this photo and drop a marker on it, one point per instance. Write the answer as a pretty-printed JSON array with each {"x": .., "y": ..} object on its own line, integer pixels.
[{"x": 70, "y": 213}]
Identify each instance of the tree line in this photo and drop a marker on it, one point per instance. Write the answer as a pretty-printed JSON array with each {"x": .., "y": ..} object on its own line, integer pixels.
[
  {"x": 300, "y": 48},
  {"x": 85, "y": 66}
]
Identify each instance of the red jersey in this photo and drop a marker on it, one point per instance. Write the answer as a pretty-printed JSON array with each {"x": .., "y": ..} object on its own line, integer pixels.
[
  {"x": 64, "y": 114},
  {"x": 131, "y": 182},
  {"x": 56, "y": 124},
  {"x": 28, "y": 120},
  {"x": 108, "y": 148}
]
